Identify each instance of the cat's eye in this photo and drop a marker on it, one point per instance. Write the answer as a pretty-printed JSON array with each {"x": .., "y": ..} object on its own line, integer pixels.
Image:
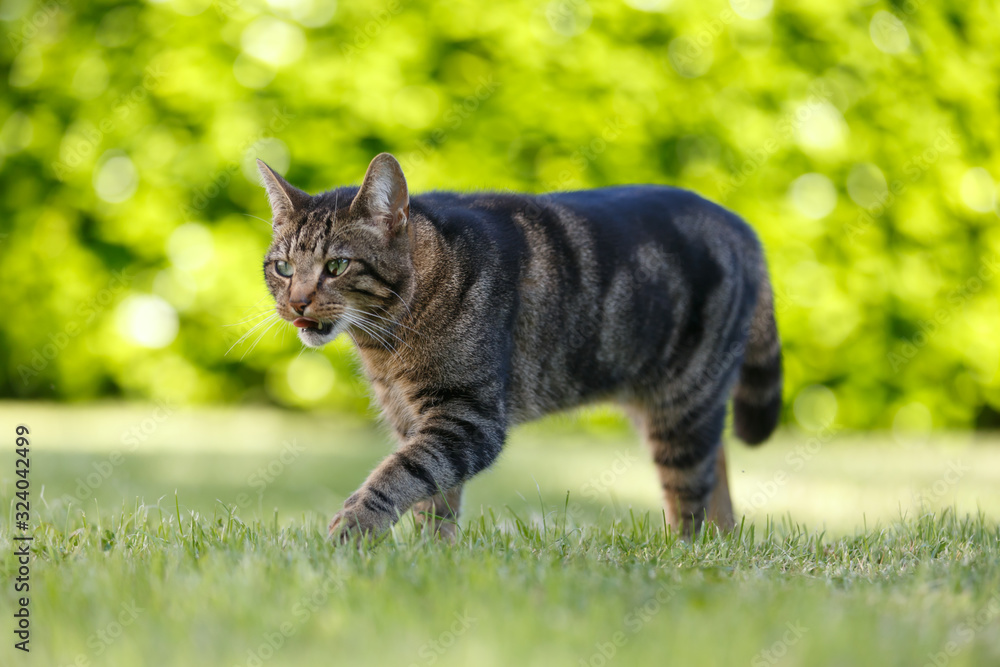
[
  {"x": 335, "y": 267},
  {"x": 284, "y": 268}
]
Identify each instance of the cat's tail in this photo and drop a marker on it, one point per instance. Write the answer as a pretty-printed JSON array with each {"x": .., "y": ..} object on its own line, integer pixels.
[{"x": 757, "y": 398}]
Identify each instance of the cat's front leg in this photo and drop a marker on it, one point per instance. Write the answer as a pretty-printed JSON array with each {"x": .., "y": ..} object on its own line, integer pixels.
[
  {"x": 366, "y": 513},
  {"x": 443, "y": 454}
]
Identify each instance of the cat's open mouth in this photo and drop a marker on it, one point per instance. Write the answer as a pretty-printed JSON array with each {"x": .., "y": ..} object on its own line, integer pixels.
[{"x": 309, "y": 323}]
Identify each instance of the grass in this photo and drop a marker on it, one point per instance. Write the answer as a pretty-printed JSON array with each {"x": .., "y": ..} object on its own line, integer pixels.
[{"x": 162, "y": 565}]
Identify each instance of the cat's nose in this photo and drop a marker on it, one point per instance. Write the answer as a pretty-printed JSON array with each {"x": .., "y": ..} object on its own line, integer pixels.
[{"x": 300, "y": 306}]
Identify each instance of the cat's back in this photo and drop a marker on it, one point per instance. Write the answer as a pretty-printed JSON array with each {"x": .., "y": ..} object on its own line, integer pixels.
[
  {"x": 630, "y": 213},
  {"x": 613, "y": 216}
]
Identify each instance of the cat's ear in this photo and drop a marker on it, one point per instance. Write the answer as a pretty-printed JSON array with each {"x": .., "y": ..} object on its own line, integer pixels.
[
  {"x": 383, "y": 195},
  {"x": 285, "y": 198}
]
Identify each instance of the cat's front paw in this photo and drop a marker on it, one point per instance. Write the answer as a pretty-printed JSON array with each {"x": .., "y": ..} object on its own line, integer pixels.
[{"x": 358, "y": 521}]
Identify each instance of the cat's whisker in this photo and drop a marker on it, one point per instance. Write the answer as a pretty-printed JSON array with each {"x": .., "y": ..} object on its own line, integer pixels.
[
  {"x": 262, "y": 333},
  {"x": 253, "y": 315},
  {"x": 266, "y": 297},
  {"x": 366, "y": 327},
  {"x": 248, "y": 318},
  {"x": 405, "y": 305},
  {"x": 274, "y": 318},
  {"x": 373, "y": 329},
  {"x": 352, "y": 338},
  {"x": 249, "y": 331},
  {"x": 386, "y": 331},
  {"x": 382, "y": 329},
  {"x": 266, "y": 222},
  {"x": 393, "y": 322},
  {"x": 268, "y": 315}
]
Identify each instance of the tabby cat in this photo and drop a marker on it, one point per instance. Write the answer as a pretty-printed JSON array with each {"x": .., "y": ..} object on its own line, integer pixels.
[{"x": 476, "y": 312}]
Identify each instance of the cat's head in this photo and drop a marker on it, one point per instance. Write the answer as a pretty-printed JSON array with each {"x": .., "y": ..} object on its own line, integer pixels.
[{"x": 341, "y": 261}]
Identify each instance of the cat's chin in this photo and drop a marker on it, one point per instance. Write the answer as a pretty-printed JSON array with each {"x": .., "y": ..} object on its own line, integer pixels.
[{"x": 318, "y": 338}]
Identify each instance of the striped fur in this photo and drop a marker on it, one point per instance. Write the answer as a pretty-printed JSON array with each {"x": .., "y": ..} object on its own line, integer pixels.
[{"x": 476, "y": 312}]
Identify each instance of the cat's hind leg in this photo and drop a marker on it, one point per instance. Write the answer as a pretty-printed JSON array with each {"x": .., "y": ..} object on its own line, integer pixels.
[
  {"x": 720, "y": 504},
  {"x": 689, "y": 458}
]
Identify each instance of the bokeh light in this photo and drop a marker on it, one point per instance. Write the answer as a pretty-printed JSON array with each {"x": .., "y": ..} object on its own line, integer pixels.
[
  {"x": 888, "y": 33},
  {"x": 116, "y": 178},
  {"x": 978, "y": 190},
  {"x": 821, "y": 126},
  {"x": 752, "y": 9},
  {"x": 273, "y": 41},
  {"x": 190, "y": 246},
  {"x": 815, "y": 408},
  {"x": 147, "y": 320},
  {"x": 866, "y": 185},
  {"x": 649, "y": 5},
  {"x": 813, "y": 195},
  {"x": 310, "y": 376}
]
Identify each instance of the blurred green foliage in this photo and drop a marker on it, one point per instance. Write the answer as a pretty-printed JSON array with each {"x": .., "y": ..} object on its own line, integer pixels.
[{"x": 858, "y": 138}]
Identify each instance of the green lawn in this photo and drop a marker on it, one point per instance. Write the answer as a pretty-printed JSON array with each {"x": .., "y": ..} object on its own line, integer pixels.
[{"x": 198, "y": 538}]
